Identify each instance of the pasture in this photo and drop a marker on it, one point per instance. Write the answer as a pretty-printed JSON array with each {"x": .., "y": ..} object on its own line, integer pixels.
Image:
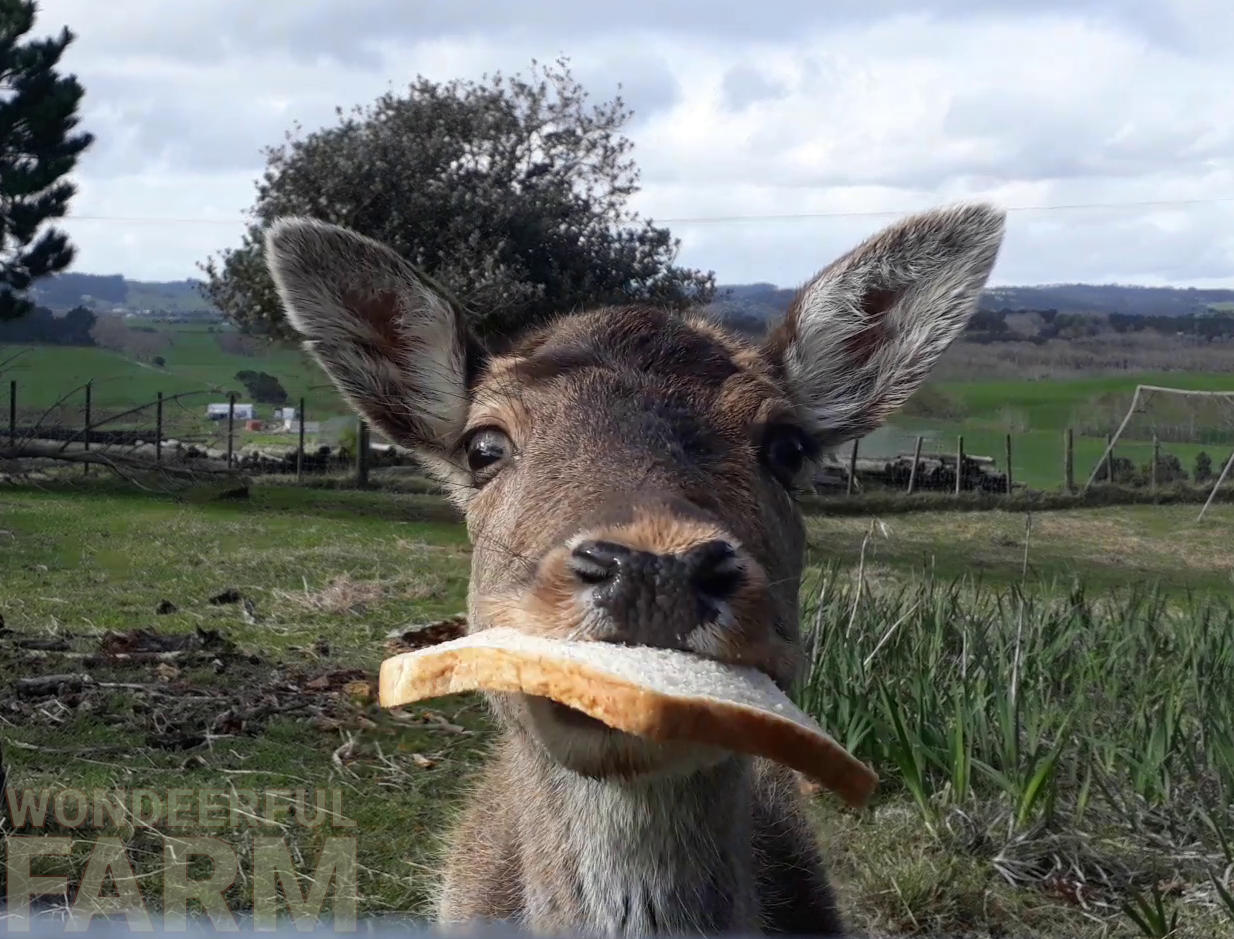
[
  {"x": 1036, "y": 412},
  {"x": 1106, "y": 776}
]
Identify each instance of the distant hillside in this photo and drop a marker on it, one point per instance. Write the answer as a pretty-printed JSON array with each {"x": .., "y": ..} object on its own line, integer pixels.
[
  {"x": 108, "y": 292},
  {"x": 754, "y": 303},
  {"x": 762, "y": 301}
]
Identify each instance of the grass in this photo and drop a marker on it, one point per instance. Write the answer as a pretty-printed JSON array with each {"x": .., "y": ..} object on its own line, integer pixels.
[
  {"x": 1038, "y": 412},
  {"x": 1063, "y": 743},
  {"x": 194, "y": 363},
  {"x": 1160, "y": 546},
  {"x": 1105, "y": 775}
]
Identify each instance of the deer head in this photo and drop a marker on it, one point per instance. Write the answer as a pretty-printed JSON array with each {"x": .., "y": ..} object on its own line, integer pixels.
[{"x": 628, "y": 475}]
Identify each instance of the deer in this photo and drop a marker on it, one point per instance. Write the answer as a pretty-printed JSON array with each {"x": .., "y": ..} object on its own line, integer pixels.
[{"x": 633, "y": 474}]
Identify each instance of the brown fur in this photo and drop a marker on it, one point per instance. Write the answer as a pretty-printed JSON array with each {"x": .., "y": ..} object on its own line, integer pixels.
[{"x": 634, "y": 427}]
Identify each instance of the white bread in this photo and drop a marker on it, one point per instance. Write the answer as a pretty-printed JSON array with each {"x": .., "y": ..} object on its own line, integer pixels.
[{"x": 660, "y": 694}]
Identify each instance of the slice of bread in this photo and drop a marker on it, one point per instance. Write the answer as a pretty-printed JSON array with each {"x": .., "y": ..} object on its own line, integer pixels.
[{"x": 660, "y": 694}]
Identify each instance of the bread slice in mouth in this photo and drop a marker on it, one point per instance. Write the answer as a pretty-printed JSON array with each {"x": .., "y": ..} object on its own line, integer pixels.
[{"x": 664, "y": 695}]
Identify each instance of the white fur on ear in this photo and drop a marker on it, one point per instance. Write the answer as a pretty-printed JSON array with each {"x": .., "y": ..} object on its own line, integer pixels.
[
  {"x": 863, "y": 335},
  {"x": 394, "y": 348}
]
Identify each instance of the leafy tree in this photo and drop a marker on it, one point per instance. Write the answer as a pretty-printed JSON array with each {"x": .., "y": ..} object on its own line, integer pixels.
[
  {"x": 263, "y": 387},
  {"x": 41, "y": 325},
  {"x": 510, "y": 193},
  {"x": 38, "y": 148}
]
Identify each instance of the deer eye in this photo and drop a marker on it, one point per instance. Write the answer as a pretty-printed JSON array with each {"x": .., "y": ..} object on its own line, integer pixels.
[
  {"x": 785, "y": 451},
  {"x": 487, "y": 448}
]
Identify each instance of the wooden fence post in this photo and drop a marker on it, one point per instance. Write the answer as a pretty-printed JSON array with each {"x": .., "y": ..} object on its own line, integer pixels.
[
  {"x": 231, "y": 420},
  {"x": 912, "y": 473},
  {"x": 852, "y": 468},
  {"x": 959, "y": 464},
  {"x": 85, "y": 467},
  {"x": 1009, "y": 464},
  {"x": 1153, "y": 471},
  {"x": 1069, "y": 460},
  {"x": 158, "y": 429},
  {"x": 300, "y": 448},
  {"x": 13, "y": 413},
  {"x": 362, "y": 452}
]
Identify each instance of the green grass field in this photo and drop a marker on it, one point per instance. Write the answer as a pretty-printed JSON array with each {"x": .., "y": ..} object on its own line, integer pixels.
[
  {"x": 194, "y": 363},
  {"x": 1037, "y": 413},
  {"x": 1117, "y": 780}
]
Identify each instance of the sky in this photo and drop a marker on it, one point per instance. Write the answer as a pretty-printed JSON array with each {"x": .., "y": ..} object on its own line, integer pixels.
[{"x": 1105, "y": 128}]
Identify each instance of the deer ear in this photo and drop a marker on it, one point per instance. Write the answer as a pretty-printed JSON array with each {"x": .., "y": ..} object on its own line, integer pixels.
[
  {"x": 862, "y": 336},
  {"x": 398, "y": 352}
]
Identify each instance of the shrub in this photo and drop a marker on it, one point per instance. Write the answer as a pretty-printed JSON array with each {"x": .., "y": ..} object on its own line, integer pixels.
[{"x": 1203, "y": 467}]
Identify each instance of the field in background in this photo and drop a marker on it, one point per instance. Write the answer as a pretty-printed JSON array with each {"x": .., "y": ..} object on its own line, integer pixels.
[
  {"x": 194, "y": 362},
  {"x": 922, "y": 620},
  {"x": 1036, "y": 412}
]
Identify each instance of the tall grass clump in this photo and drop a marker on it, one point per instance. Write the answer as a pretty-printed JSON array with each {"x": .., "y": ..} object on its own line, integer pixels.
[{"x": 1055, "y": 733}]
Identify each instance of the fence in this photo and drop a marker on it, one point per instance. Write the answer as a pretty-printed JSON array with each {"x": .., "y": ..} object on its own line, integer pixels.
[
  {"x": 888, "y": 460},
  {"x": 71, "y": 429},
  {"x": 1007, "y": 463}
]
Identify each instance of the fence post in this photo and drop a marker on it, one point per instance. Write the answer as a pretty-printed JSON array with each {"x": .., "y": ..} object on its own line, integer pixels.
[
  {"x": 158, "y": 429},
  {"x": 852, "y": 468},
  {"x": 231, "y": 419},
  {"x": 1069, "y": 460},
  {"x": 1009, "y": 464},
  {"x": 362, "y": 452},
  {"x": 13, "y": 413},
  {"x": 1109, "y": 460},
  {"x": 1156, "y": 456},
  {"x": 85, "y": 467},
  {"x": 300, "y": 447},
  {"x": 912, "y": 473},
  {"x": 959, "y": 463}
]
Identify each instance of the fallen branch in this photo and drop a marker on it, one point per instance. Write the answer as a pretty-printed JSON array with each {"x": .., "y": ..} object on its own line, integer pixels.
[{"x": 125, "y": 465}]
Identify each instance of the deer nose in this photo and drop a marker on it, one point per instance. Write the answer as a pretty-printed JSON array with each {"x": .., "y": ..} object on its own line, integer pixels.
[{"x": 645, "y": 593}]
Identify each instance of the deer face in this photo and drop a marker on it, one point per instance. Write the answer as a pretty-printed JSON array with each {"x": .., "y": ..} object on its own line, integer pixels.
[{"x": 627, "y": 475}]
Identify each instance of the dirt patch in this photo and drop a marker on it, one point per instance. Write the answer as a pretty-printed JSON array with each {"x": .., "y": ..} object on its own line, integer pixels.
[{"x": 175, "y": 692}]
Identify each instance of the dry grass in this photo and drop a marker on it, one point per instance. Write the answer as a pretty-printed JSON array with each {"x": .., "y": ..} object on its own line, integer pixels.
[{"x": 342, "y": 595}]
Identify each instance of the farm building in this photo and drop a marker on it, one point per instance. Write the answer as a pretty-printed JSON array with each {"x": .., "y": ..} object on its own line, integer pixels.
[
  {"x": 218, "y": 412},
  {"x": 292, "y": 426}
]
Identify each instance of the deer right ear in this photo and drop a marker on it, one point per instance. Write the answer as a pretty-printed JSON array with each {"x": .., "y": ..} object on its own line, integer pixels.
[{"x": 398, "y": 352}]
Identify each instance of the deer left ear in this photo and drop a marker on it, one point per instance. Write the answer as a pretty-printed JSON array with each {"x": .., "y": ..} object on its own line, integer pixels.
[{"x": 863, "y": 335}]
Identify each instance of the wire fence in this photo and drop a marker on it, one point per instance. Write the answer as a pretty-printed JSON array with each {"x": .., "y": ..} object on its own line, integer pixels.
[
  {"x": 195, "y": 433},
  {"x": 186, "y": 433}
]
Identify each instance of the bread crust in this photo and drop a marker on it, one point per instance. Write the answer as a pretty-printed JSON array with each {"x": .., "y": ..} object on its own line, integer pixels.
[{"x": 740, "y": 709}]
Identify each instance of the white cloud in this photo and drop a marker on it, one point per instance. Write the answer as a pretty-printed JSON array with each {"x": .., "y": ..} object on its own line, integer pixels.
[{"x": 772, "y": 108}]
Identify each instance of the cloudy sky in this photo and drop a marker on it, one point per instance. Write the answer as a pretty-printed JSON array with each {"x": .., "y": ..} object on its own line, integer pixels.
[{"x": 1117, "y": 114}]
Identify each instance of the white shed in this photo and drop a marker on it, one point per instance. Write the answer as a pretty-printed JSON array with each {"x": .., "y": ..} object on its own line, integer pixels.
[{"x": 218, "y": 412}]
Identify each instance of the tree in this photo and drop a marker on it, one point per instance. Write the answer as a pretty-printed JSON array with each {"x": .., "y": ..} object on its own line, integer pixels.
[
  {"x": 262, "y": 387},
  {"x": 509, "y": 193},
  {"x": 41, "y": 325},
  {"x": 38, "y": 148}
]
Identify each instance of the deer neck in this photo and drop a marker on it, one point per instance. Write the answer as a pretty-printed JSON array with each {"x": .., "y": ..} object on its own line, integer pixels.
[{"x": 663, "y": 855}]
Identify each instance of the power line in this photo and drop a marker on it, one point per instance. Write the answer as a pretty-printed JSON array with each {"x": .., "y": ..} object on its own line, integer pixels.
[
  {"x": 722, "y": 219},
  {"x": 1059, "y": 207}
]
